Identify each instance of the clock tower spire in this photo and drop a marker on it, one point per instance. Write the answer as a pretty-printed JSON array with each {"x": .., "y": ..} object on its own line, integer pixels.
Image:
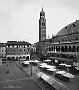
[{"x": 42, "y": 26}]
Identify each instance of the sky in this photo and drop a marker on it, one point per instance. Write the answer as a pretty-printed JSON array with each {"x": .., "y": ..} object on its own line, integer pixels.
[{"x": 19, "y": 19}]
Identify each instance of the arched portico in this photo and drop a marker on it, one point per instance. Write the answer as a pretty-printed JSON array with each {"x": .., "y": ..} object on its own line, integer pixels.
[
  {"x": 66, "y": 48},
  {"x": 69, "y": 48},
  {"x": 62, "y": 49}
]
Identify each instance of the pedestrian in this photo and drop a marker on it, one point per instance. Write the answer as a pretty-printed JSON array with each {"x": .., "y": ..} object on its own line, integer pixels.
[{"x": 7, "y": 71}]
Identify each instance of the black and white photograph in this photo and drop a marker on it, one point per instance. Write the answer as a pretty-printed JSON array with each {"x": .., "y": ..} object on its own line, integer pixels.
[{"x": 39, "y": 44}]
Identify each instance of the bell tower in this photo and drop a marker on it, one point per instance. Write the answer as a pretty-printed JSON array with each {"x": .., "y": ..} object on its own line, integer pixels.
[{"x": 42, "y": 26}]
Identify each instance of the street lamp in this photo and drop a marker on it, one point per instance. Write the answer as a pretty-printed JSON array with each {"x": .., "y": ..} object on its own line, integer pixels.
[
  {"x": 19, "y": 60},
  {"x": 31, "y": 67}
]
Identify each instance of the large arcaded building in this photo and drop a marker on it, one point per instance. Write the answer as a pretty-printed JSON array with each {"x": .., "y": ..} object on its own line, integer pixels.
[{"x": 64, "y": 46}]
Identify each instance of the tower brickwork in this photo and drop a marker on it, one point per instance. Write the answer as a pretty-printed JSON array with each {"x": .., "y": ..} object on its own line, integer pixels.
[{"x": 42, "y": 26}]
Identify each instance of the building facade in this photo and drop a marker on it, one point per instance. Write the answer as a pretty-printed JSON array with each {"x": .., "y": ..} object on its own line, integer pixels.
[
  {"x": 3, "y": 50},
  {"x": 15, "y": 50},
  {"x": 33, "y": 53},
  {"x": 64, "y": 46}
]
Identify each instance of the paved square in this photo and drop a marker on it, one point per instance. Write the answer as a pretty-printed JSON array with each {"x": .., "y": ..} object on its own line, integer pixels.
[{"x": 16, "y": 78}]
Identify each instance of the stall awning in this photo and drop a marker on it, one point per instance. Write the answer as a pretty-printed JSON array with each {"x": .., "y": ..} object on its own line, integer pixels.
[
  {"x": 68, "y": 75},
  {"x": 51, "y": 81},
  {"x": 58, "y": 86},
  {"x": 40, "y": 74},
  {"x": 57, "y": 58},
  {"x": 45, "y": 77},
  {"x": 60, "y": 72}
]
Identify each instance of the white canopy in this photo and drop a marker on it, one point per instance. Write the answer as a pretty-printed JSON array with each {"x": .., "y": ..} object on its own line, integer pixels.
[
  {"x": 45, "y": 77},
  {"x": 40, "y": 74},
  {"x": 47, "y": 60},
  {"x": 51, "y": 81},
  {"x": 50, "y": 66},
  {"x": 51, "y": 69},
  {"x": 36, "y": 61},
  {"x": 60, "y": 72},
  {"x": 68, "y": 75},
  {"x": 63, "y": 64},
  {"x": 26, "y": 62},
  {"x": 43, "y": 64}
]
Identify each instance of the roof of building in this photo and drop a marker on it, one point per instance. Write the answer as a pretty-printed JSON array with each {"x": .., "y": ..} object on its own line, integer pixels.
[
  {"x": 3, "y": 44},
  {"x": 18, "y": 43},
  {"x": 69, "y": 29}
]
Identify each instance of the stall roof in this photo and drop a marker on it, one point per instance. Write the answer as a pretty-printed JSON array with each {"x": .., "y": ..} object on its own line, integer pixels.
[{"x": 57, "y": 58}]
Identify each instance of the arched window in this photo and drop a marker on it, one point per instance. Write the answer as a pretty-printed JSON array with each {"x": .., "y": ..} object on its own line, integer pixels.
[
  {"x": 52, "y": 48},
  {"x": 56, "y": 48},
  {"x": 73, "y": 49},
  {"x": 77, "y": 49},
  {"x": 65, "y": 48},
  {"x": 62, "y": 49},
  {"x": 49, "y": 49},
  {"x": 69, "y": 48},
  {"x": 59, "y": 48}
]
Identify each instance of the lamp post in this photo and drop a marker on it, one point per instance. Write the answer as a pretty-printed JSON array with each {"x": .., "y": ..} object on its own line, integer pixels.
[
  {"x": 31, "y": 67},
  {"x": 19, "y": 60}
]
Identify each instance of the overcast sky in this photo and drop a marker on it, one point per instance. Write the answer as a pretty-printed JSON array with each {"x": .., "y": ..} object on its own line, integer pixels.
[{"x": 19, "y": 19}]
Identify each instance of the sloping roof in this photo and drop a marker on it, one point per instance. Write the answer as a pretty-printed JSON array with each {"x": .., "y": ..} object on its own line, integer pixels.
[
  {"x": 3, "y": 44},
  {"x": 71, "y": 28},
  {"x": 11, "y": 42},
  {"x": 17, "y": 43}
]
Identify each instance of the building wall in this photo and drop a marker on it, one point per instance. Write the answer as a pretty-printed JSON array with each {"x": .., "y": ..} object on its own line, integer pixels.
[
  {"x": 63, "y": 46},
  {"x": 3, "y": 50},
  {"x": 18, "y": 50}
]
